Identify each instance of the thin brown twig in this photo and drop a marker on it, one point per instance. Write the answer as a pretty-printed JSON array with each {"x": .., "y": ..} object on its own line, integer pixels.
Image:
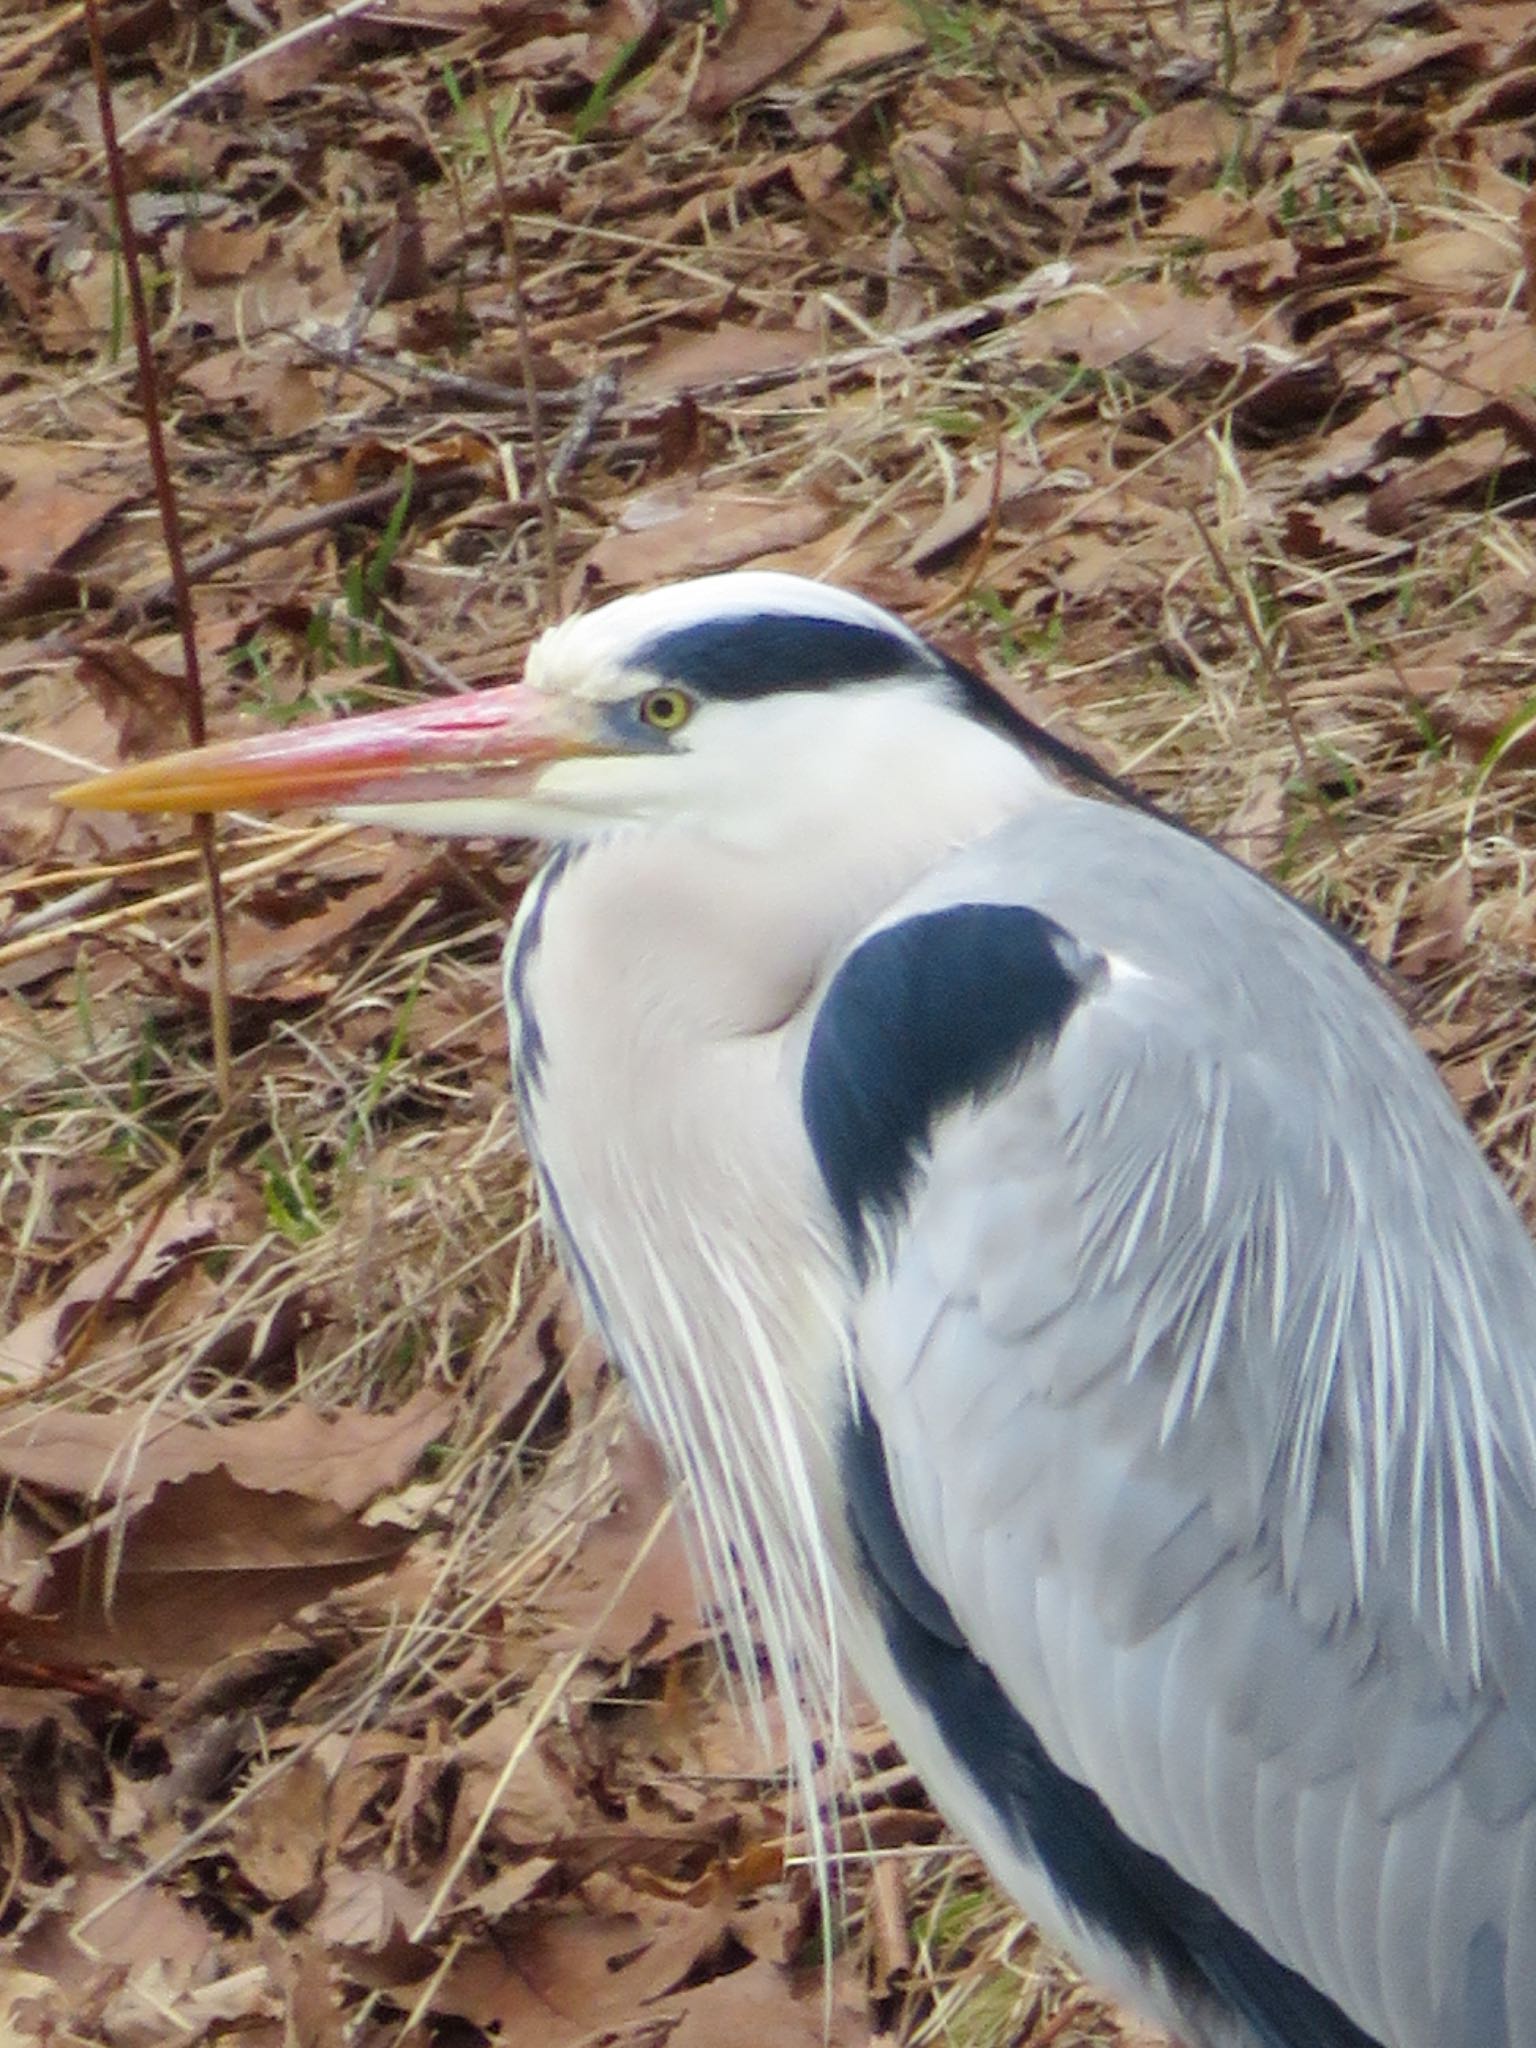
[
  {"x": 330, "y": 347},
  {"x": 595, "y": 399},
  {"x": 203, "y": 827},
  {"x": 542, "y": 486},
  {"x": 377, "y": 497},
  {"x": 589, "y": 403}
]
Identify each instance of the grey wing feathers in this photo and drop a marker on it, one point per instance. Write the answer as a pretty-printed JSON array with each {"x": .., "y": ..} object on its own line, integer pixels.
[{"x": 1219, "y": 1333}]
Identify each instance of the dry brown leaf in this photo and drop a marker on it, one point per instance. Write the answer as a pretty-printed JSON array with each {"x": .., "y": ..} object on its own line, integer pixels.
[
  {"x": 1478, "y": 719},
  {"x": 295, "y": 66},
  {"x": 549, "y": 1330},
  {"x": 756, "y": 2007},
  {"x": 967, "y": 514},
  {"x": 1088, "y": 560},
  {"x": 607, "y": 1965},
  {"x": 536, "y": 1807},
  {"x": 1255, "y": 831},
  {"x": 1462, "y": 261},
  {"x": 724, "y": 356},
  {"x": 368, "y": 1909},
  {"x": 566, "y": 57},
  {"x": 1194, "y": 135},
  {"x": 465, "y": 1019},
  {"x": 1455, "y": 382},
  {"x": 133, "y": 1271},
  {"x": 290, "y": 398},
  {"x": 56, "y": 497},
  {"x": 711, "y": 530},
  {"x": 1406, "y": 55},
  {"x": 64, "y": 746},
  {"x": 267, "y": 959},
  {"x": 286, "y": 395},
  {"x": 346, "y": 1459},
  {"x": 303, "y": 1970},
  {"x": 1439, "y": 921},
  {"x": 1220, "y": 218},
  {"x": 486, "y": 1987},
  {"x": 774, "y": 1927},
  {"x": 514, "y": 1883},
  {"x": 1317, "y": 532},
  {"x": 1290, "y": 46},
  {"x": 656, "y": 1613},
  {"x": 277, "y": 1836},
  {"x": 20, "y": 76},
  {"x": 147, "y": 704},
  {"x": 1101, "y": 327},
  {"x": 205, "y": 1566},
  {"x": 851, "y": 50},
  {"x": 218, "y": 255},
  {"x": 1470, "y": 463},
  {"x": 240, "y": 283},
  {"x": 25, "y": 1995},
  {"x": 153, "y": 1946},
  {"x": 764, "y": 38},
  {"x": 935, "y": 172}
]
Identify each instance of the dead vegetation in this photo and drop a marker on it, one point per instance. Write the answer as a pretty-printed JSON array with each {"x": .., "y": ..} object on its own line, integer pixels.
[{"x": 1173, "y": 362}]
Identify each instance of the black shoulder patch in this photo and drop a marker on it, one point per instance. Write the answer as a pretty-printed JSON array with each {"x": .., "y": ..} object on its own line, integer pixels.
[
  {"x": 923, "y": 1015},
  {"x": 1161, "y": 1921},
  {"x": 763, "y": 653}
]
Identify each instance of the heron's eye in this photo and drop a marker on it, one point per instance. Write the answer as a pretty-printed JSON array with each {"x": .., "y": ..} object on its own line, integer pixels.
[{"x": 665, "y": 710}]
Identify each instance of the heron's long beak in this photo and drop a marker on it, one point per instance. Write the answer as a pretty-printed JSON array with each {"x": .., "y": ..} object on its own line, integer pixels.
[{"x": 487, "y": 744}]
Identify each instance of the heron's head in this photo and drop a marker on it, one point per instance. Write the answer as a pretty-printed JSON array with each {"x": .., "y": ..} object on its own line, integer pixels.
[{"x": 729, "y": 705}]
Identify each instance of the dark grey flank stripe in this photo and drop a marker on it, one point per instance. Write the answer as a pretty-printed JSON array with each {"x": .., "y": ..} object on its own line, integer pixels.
[
  {"x": 924, "y": 1015},
  {"x": 1134, "y": 1897}
]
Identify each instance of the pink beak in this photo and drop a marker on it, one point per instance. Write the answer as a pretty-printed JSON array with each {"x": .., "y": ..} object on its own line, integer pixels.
[{"x": 478, "y": 745}]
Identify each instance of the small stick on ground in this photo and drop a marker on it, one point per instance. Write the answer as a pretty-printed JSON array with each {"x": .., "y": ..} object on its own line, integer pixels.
[
  {"x": 377, "y": 498},
  {"x": 542, "y": 485}
]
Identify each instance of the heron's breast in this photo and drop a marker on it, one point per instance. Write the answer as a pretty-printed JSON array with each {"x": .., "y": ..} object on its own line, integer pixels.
[{"x": 677, "y": 1176}]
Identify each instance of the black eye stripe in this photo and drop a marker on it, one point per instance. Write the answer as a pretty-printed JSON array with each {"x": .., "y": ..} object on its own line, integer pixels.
[{"x": 760, "y": 654}]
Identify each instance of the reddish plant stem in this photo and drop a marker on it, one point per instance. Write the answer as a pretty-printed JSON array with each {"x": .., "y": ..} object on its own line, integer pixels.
[{"x": 170, "y": 527}]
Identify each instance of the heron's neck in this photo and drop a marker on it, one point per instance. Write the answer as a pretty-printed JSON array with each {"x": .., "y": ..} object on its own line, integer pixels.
[
  {"x": 662, "y": 984},
  {"x": 693, "y": 936}
]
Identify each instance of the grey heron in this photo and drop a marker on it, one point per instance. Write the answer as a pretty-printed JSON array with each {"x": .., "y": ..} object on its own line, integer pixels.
[{"x": 1062, "y": 1282}]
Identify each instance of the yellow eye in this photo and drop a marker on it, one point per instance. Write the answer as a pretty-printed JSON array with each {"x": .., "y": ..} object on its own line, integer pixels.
[{"x": 666, "y": 710}]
